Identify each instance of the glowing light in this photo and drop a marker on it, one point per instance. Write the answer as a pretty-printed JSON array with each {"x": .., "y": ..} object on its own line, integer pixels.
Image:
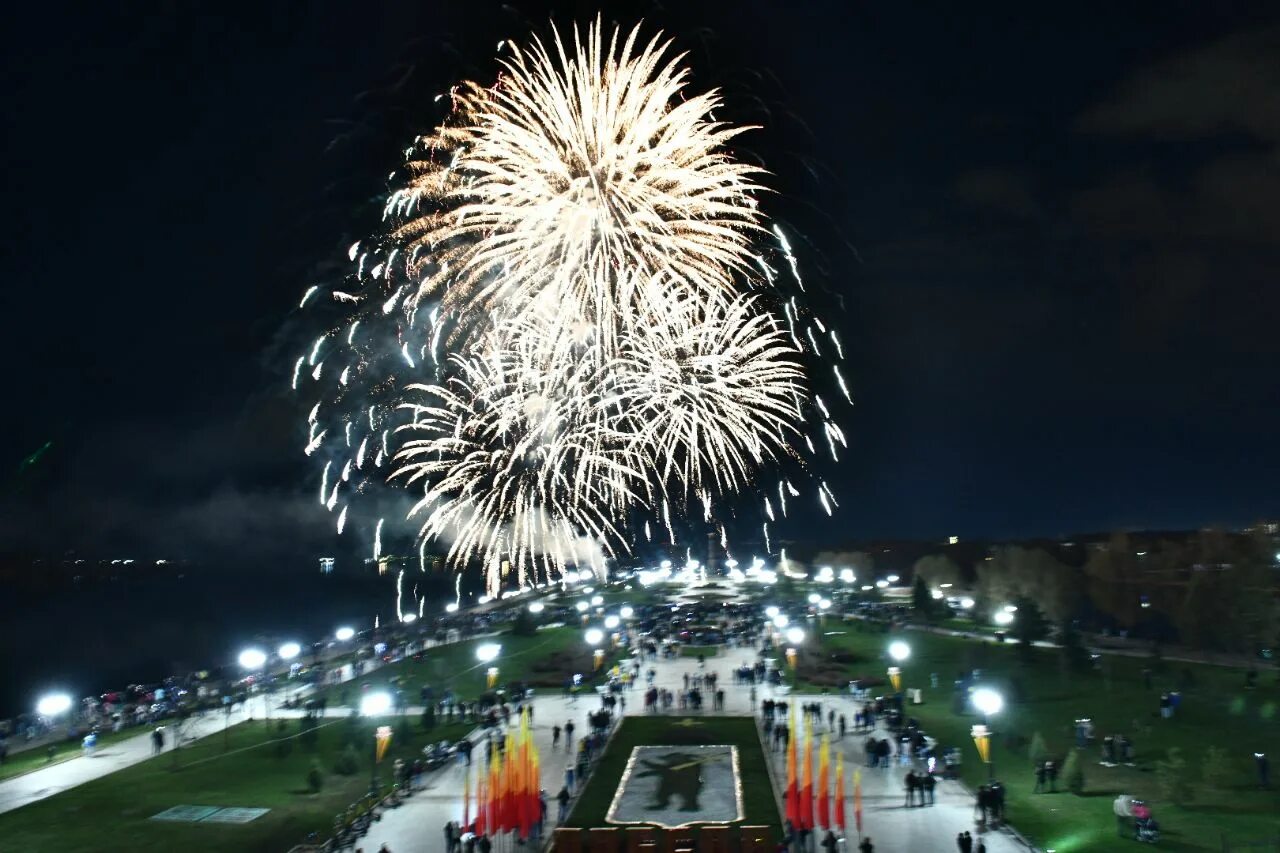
[
  {"x": 847, "y": 575},
  {"x": 882, "y": 584},
  {"x": 582, "y": 606},
  {"x": 344, "y": 634},
  {"x": 781, "y": 620},
  {"x": 53, "y": 705},
  {"x": 1004, "y": 617},
  {"x": 626, "y": 611},
  {"x": 375, "y": 704},
  {"x": 967, "y": 603},
  {"x": 593, "y": 636},
  {"x": 536, "y": 607},
  {"x": 899, "y": 651},
  {"x": 253, "y": 659},
  {"x": 289, "y": 651},
  {"x": 486, "y": 652},
  {"x": 597, "y": 600},
  {"x": 795, "y": 636},
  {"x": 409, "y": 618},
  {"x": 771, "y": 611},
  {"x": 451, "y": 607},
  {"x": 987, "y": 701},
  {"x": 892, "y": 579},
  {"x": 612, "y": 622}
]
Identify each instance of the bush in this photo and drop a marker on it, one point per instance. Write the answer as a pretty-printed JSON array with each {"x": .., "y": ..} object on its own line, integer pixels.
[
  {"x": 1073, "y": 772},
  {"x": 348, "y": 763},
  {"x": 429, "y": 718},
  {"x": 1172, "y": 776},
  {"x": 315, "y": 777},
  {"x": 404, "y": 732},
  {"x": 1038, "y": 752},
  {"x": 1074, "y": 654},
  {"x": 1216, "y": 772},
  {"x": 524, "y": 624},
  {"x": 308, "y": 735}
]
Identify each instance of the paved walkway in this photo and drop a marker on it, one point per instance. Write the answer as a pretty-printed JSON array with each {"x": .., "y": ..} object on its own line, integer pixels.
[{"x": 417, "y": 825}]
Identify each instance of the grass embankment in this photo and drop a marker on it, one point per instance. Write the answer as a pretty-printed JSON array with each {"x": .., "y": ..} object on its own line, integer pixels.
[
  {"x": 37, "y": 757},
  {"x": 1043, "y": 696},
  {"x": 112, "y": 813},
  {"x": 758, "y": 804},
  {"x": 543, "y": 659}
]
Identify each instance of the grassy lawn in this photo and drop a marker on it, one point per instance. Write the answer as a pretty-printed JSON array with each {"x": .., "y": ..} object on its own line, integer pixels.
[
  {"x": 758, "y": 804},
  {"x": 34, "y": 759},
  {"x": 1041, "y": 696},
  {"x": 542, "y": 660},
  {"x": 111, "y": 813},
  {"x": 695, "y": 651}
]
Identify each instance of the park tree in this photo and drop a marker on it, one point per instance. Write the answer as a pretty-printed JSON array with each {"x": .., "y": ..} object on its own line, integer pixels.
[
  {"x": 1038, "y": 751},
  {"x": 1113, "y": 579},
  {"x": 524, "y": 625},
  {"x": 1215, "y": 772},
  {"x": 1029, "y": 625},
  {"x": 860, "y": 561},
  {"x": 937, "y": 569},
  {"x": 1173, "y": 777},
  {"x": 315, "y": 777},
  {"x": 1073, "y": 772},
  {"x": 429, "y": 717},
  {"x": 1075, "y": 657},
  {"x": 348, "y": 762},
  {"x": 923, "y": 602},
  {"x": 1013, "y": 571},
  {"x": 1224, "y": 584}
]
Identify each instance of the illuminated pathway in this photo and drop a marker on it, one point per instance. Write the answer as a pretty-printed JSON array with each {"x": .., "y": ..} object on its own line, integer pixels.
[{"x": 417, "y": 826}]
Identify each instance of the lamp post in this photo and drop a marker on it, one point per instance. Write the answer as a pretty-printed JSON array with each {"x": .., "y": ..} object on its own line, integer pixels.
[
  {"x": 795, "y": 636},
  {"x": 989, "y": 703},
  {"x": 376, "y": 705},
  {"x": 594, "y": 637},
  {"x": 899, "y": 651},
  {"x": 253, "y": 660},
  {"x": 287, "y": 652},
  {"x": 488, "y": 653}
]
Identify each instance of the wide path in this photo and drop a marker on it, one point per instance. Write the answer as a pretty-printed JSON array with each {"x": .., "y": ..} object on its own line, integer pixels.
[{"x": 417, "y": 826}]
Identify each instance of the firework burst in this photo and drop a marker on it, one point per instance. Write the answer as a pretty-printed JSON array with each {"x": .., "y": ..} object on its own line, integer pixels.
[{"x": 568, "y": 328}]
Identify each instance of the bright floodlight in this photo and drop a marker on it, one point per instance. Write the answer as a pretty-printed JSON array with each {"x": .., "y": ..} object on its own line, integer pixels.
[
  {"x": 451, "y": 607},
  {"x": 988, "y": 701},
  {"x": 795, "y": 636},
  {"x": 892, "y": 579},
  {"x": 597, "y": 600},
  {"x": 344, "y": 634},
  {"x": 582, "y": 606},
  {"x": 53, "y": 705},
  {"x": 1011, "y": 608},
  {"x": 966, "y": 603},
  {"x": 253, "y": 658},
  {"x": 627, "y": 612},
  {"x": 289, "y": 651},
  {"x": 593, "y": 636},
  {"x": 824, "y": 604},
  {"x": 1004, "y": 617},
  {"x": 899, "y": 650},
  {"x": 375, "y": 704},
  {"x": 409, "y": 618},
  {"x": 847, "y": 575},
  {"x": 611, "y": 622},
  {"x": 537, "y": 607},
  {"x": 666, "y": 564},
  {"x": 771, "y": 611},
  {"x": 781, "y": 620},
  {"x": 882, "y": 584},
  {"x": 487, "y": 652},
  {"x": 814, "y": 598}
]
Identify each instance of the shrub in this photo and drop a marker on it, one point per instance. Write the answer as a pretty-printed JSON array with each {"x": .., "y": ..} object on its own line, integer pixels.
[
  {"x": 524, "y": 624},
  {"x": 308, "y": 734},
  {"x": 429, "y": 718},
  {"x": 1216, "y": 772},
  {"x": 315, "y": 777},
  {"x": 1172, "y": 777},
  {"x": 348, "y": 762},
  {"x": 1073, "y": 772},
  {"x": 1038, "y": 752}
]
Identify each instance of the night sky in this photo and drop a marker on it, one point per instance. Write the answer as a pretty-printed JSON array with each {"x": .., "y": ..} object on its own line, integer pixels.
[{"x": 1050, "y": 239}]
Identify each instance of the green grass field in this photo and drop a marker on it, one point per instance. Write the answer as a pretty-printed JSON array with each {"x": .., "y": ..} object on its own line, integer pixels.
[
  {"x": 542, "y": 660},
  {"x": 695, "y": 651},
  {"x": 1042, "y": 696},
  {"x": 758, "y": 803},
  {"x": 112, "y": 813},
  {"x": 38, "y": 757}
]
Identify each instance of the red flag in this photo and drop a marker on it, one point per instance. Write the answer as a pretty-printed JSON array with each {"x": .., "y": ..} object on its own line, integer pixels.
[
  {"x": 806, "y": 784},
  {"x": 857, "y": 799},
  {"x": 824, "y": 789},
  {"x": 793, "y": 785},
  {"x": 840, "y": 792},
  {"x": 466, "y": 797}
]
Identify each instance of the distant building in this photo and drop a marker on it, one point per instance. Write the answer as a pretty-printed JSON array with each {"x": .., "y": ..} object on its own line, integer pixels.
[{"x": 326, "y": 565}]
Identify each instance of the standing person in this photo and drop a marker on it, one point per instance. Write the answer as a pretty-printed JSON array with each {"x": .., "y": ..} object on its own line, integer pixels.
[
  {"x": 866, "y": 846},
  {"x": 842, "y": 726},
  {"x": 568, "y": 734},
  {"x": 960, "y": 841},
  {"x": 1051, "y": 771},
  {"x": 982, "y": 847},
  {"x": 1264, "y": 769},
  {"x": 563, "y": 799},
  {"x": 927, "y": 783},
  {"x": 450, "y": 837},
  {"x": 157, "y": 740},
  {"x": 829, "y": 842},
  {"x": 555, "y": 737},
  {"x": 910, "y": 784},
  {"x": 1040, "y": 778}
]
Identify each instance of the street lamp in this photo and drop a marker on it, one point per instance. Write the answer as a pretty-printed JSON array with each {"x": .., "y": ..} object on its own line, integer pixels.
[
  {"x": 989, "y": 703},
  {"x": 253, "y": 659},
  {"x": 594, "y": 637},
  {"x": 771, "y": 611},
  {"x": 289, "y": 651},
  {"x": 899, "y": 651},
  {"x": 53, "y": 705},
  {"x": 343, "y": 634},
  {"x": 626, "y": 612},
  {"x": 537, "y": 607},
  {"x": 487, "y": 653},
  {"x": 612, "y": 622},
  {"x": 795, "y": 636},
  {"x": 376, "y": 705}
]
